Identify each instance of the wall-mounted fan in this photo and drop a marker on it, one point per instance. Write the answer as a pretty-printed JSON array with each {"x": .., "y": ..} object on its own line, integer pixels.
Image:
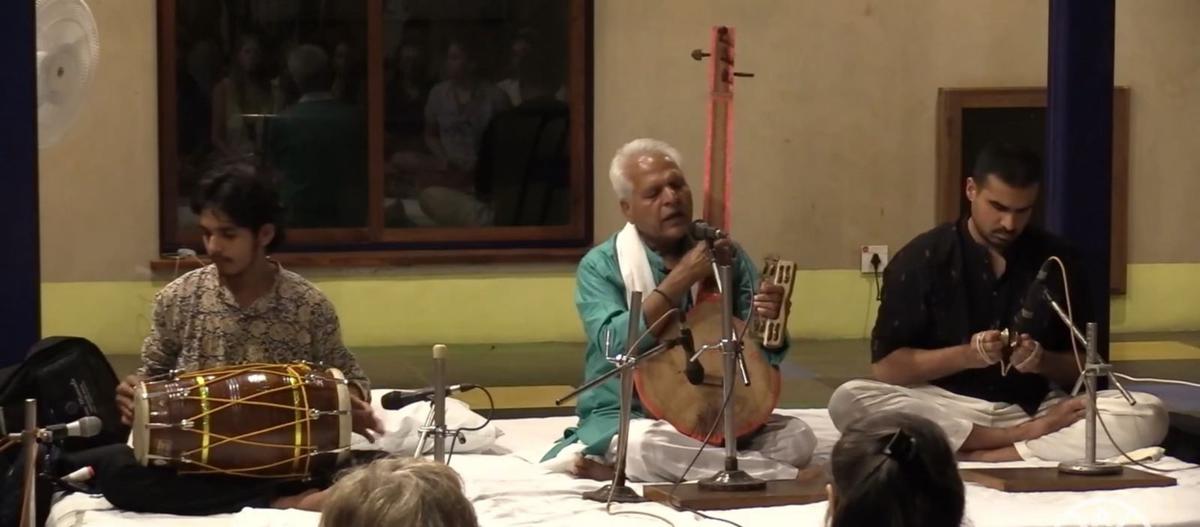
[{"x": 68, "y": 49}]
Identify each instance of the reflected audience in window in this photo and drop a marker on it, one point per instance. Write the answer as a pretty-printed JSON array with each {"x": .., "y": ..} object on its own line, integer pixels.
[
  {"x": 524, "y": 160},
  {"x": 318, "y": 148},
  {"x": 476, "y": 127},
  {"x": 239, "y": 103},
  {"x": 495, "y": 154}
]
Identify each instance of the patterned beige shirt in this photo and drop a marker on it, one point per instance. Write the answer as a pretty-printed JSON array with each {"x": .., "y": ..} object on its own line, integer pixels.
[{"x": 198, "y": 324}]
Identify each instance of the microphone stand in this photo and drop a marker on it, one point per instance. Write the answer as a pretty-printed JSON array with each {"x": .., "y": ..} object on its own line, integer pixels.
[
  {"x": 732, "y": 478},
  {"x": 423, "y": 433},
  {"x": 618, "y": 491},
  {"x": 1094, "y": 368},
  {"x": 435, "y": 420},
  {"x": 29, "y": 447}
]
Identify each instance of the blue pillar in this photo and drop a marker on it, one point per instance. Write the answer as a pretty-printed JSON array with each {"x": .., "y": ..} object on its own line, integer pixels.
[
  {"x": 1079, "y": 139},
  {"x": 20, "y": 302}
]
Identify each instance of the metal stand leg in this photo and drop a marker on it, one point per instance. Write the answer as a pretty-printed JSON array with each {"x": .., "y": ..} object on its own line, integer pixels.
[
  {"x": 732, "y": 478},
  {"x": 423, "y": 433},
  {"x": 439, "y": 403},
  {"x": 435, "y": 420},
  {"x": 618, "y": 490},
  {"x": 1089, "y": 466},
  {"x": 29, "y": 445}
]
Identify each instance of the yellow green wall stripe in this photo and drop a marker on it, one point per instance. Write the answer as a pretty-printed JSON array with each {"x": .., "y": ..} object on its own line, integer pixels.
[{"x": 537, "y": 307}]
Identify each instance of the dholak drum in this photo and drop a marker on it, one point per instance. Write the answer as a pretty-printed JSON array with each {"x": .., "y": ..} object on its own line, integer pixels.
[{"x": 283, "y": 421}]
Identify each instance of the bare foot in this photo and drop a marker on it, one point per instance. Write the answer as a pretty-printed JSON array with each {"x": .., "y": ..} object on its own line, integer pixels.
[
  {"x": 309, "y": 500},
  {"x": 313, "y": 501},
  {"x": 994, "y": 455},
  {"x": 589, "y": 469},
  {"x": 1057, "y": 417},
  {"x": 814, "y": 474}
]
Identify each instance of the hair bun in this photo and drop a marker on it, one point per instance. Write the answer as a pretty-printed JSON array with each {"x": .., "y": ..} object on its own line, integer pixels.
[{"x": 901, "y": 446}]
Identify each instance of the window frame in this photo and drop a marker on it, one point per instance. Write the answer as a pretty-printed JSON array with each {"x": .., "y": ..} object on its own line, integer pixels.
[
  {"x": 948, "y": 193},
  {"x": 375, "y": 244}
]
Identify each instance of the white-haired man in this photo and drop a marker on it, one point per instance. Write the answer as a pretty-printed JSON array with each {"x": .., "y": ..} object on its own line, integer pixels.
[{"x": 654, "y": 247}]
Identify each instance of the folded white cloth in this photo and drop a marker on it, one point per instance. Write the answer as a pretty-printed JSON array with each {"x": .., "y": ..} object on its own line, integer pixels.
[
  {"x": 402, "y": 428},
  {"x": 635, "y": 266},
  {"x": 631, "y": 257}
]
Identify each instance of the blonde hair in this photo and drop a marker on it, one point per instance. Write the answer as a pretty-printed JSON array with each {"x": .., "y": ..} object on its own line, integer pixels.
[{"x": 398, "y": 492}]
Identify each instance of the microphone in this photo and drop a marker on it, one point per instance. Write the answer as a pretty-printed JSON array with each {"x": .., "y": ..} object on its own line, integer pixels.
[
  {"x": 86, "y": 426},
  {"x": 400, "y": 398},
  {"x": 699, "y": 230},
  {"x": 693, "y": 370},
  {"x": 1023, "y": 321}
]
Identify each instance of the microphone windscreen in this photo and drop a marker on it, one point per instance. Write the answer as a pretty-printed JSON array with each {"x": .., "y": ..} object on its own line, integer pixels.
[{"x": 89, "y": 426}]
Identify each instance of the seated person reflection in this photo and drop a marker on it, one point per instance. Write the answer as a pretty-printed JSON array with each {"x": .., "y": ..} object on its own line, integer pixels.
[{"x": 319, "y": 148}]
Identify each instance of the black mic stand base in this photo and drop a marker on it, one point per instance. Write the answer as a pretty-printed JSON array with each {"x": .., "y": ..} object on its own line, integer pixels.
[
  {"x": 1089, "y": 468},
  {"x": 732, "y": 480},
  {"x": 623, "y": 494}
]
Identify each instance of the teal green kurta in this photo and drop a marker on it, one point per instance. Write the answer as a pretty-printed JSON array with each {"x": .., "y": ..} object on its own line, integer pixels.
[{"x": 600, "y": 300}]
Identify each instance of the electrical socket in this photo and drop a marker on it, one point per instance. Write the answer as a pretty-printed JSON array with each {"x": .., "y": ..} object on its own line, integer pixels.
[{"x": 867, "y": 251}]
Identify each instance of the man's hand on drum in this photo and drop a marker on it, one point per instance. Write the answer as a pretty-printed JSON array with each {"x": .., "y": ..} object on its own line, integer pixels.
[
  {"x": 365, "y": 422},
  {"x": 125, "y": 398}
]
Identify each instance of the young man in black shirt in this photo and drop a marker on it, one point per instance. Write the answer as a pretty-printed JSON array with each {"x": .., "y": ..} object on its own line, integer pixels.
[{"x": 938, "y": 349}]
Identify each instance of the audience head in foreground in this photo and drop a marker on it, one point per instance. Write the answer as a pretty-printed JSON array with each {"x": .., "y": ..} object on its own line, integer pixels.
[
  {"x": 894, "y": 470},
  {"x": 398, "y": 492}
]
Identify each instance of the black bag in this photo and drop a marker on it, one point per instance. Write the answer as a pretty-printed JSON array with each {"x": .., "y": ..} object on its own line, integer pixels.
[
  {"x": 70, "y": 378},
  {"x": 12, "y": 488}
]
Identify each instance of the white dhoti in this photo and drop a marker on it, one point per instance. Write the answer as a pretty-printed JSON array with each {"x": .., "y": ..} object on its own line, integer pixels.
[
  {"x": 1138, "y": 426},
  {"x": 659, "y": 453}
]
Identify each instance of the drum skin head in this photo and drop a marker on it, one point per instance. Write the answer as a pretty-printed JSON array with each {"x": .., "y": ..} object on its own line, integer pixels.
[
  {"x": 346, "y": 420},
  {"x": 140, "y": 434}
]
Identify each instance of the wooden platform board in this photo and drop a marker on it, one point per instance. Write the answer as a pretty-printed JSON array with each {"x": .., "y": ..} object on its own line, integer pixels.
[
  {"x": 1049, "y": 479},
  {"x": 778, "y": 492}
]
